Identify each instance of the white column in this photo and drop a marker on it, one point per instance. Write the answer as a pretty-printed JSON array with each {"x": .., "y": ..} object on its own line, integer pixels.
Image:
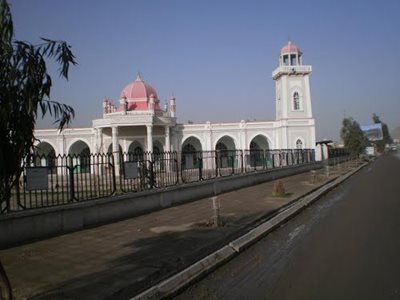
[
  {"x": 98, "y": 140},
  {"x": 61, "y": 151},
  {"x": 98, "y": 150},
  {"x": 115, "y": 149},
  {"x": 149, "y": 138},
  {"x": 167, "y": 139}
]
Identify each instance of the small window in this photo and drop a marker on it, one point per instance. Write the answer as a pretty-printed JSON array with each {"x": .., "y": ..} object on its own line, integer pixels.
[
  {"x": 299, "y": 144},
  {"x": 296, "y": 101}
]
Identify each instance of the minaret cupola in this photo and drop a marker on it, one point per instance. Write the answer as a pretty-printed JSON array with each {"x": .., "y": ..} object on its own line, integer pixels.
[{"x": 290, "y": 55}]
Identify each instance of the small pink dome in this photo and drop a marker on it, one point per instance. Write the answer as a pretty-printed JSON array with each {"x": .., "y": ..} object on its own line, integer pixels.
[
  {"x": 138, "y": 89},
  {"x": 290, "y": 48}
]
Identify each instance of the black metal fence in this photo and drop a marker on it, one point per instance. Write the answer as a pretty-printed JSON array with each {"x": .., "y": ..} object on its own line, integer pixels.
[
  {"x": 57, "y": 180},
  {"x": 148, "y": 170}
]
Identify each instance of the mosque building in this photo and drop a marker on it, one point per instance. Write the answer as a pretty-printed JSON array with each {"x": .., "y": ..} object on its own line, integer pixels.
[{"x": 138, "y": 123}]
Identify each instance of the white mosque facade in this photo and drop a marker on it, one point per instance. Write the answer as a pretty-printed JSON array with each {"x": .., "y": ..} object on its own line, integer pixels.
[{"x": 138, "y": 123}]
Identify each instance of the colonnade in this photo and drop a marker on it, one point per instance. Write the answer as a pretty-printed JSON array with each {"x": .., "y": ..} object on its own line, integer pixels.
[{"x": 99, "y": 148}]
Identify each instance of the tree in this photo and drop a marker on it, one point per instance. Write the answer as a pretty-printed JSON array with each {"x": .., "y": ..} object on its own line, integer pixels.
[
  {"x": 352, "y": 136},
  {"x": 387, "y": 139},
  {"x": 25, "y": 87}
]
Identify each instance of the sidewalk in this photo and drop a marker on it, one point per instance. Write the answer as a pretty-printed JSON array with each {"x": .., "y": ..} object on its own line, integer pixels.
[{"x": 122, "y": 259}]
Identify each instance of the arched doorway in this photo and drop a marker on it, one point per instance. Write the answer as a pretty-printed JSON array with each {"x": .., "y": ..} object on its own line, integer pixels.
[
  {"x": 191, "y": 144},
  {"x": 135, "y": 147},
  {"x": 259, "y": 156},
  {"x": 45, "y": 155},
  {"x": 225, "y": 152},
  {"x": 225, "y": 143},
  {"x": 191, "y": 153},
  {"x": 80, "y": 153},
  {"x": 135, "y": 152}
]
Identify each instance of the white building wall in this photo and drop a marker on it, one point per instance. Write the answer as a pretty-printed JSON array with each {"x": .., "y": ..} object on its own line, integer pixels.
[{"x": 289, "y": 126}]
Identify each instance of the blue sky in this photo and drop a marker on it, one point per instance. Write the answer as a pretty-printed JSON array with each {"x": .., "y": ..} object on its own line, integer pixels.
[{"x": 216, "y": 57}]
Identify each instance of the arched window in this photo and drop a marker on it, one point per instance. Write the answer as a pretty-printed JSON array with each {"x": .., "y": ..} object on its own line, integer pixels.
[
  {"x": 296, "y": 101},
  {"x": 299, "y": 144}
]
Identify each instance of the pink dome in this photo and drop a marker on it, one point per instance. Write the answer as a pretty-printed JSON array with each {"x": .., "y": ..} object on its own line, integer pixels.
[
  {"x": 290, "y": 48},
  {"x": 138, "y": 89}
]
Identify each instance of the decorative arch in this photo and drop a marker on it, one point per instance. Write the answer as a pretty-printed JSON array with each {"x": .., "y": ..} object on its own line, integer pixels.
[
  {"x": 44, "y": 145},
  {"x": 74, "y": 141},
  {"x": 80, "y": 153},
  {"x": 136, "y": 148},
  {"x": 44, "y": 148},
  {"x": 225, "y": 157},
  {"x": 79, "y": 147},
  {"x": 258, "y": 146},
  {"x": 45, "y": 155},
  {"x": 225, "y": 142},
  {"x": 191, "y": 158},
  {"x": 260, "y": 141},
  {"x": 135, "y": 152},
  {"x": 191, "y": 144}
]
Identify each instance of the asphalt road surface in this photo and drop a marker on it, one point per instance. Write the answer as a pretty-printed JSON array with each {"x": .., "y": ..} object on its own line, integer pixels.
[{"x": 344, "y": 246}]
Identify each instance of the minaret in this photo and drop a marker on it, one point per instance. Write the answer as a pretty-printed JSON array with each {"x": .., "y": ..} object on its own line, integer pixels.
[
  {"x": 292, "y": 85},
  {"x": 172, "y": 107}
]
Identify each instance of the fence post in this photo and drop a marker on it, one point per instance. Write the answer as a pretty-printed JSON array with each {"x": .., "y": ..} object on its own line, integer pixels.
[
  {"x": 114, "y": 182},
  {"x": 200, "y": 159},
  {"x": 70, "y": 168},
  {"x": 175, "y": 154},
  {"x": 151, "y": 174},
  {"x": 242, "y": 161},
  {"x": 216, "y": 162}
]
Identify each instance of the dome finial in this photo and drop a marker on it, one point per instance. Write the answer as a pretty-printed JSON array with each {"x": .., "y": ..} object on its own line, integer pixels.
[{"x": 138, "y": 77}]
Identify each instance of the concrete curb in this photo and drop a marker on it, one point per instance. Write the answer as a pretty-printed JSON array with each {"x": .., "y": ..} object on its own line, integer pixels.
[{"x": 178, "y": 281}]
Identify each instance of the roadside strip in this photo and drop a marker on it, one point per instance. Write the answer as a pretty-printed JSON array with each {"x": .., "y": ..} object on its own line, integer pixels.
[{"x": 180, "y": 280}]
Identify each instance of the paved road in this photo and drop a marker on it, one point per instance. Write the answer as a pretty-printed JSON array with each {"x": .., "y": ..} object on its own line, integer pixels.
[{"x": 345, "y": 246}]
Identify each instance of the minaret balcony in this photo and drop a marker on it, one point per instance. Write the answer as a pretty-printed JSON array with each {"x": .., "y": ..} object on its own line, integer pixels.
[{"x": 291, "y": 70}]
